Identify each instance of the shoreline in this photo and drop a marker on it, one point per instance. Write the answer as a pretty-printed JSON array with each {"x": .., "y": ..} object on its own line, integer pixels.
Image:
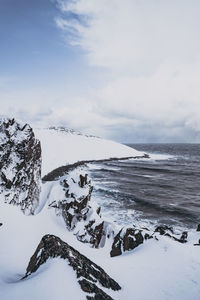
[{"x": 61, "y": 171}]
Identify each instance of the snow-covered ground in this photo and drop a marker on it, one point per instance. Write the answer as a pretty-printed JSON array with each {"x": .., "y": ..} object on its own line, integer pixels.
[
  {"x": 156, "y": 270},
  {"x": 60, "y": 148},
  {"x": 163, "y": 269}
]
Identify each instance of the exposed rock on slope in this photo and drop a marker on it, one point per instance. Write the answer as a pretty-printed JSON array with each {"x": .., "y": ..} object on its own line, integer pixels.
[
  {"x": 169, "y": 232},
  {"x": 127, "y": 239},
  {"x": 20, "y": 165},
  {"x": 80, "y": 214},
  {"x": 88, "y": 273}
]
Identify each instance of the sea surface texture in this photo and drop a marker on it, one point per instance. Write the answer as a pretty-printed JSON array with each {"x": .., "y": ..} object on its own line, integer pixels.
[{"x": 164, "y": 189}]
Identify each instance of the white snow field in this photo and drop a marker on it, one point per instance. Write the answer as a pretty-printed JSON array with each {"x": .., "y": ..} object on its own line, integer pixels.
[
  {"x": 156, "y": 270},
  {"x": 60, "y": 148}
]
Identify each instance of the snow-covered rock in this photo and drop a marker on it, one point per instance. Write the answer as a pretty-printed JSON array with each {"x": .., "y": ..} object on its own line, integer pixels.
[
  {"x": 91, "y": 277},
  {"x": 128, "y": 239},
  {"x": 20, "y": 165},
  {"x": 71, "y": 198}
]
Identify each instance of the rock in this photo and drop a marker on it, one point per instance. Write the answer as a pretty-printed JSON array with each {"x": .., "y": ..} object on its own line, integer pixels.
[
  {"x": 1, "y": 224},
  {"x": 80, "y": 214},
  {"x": 198, "y": 227},
  {"x": 91, "y": 288},
  {"x": 169, "y": 232},
  {"x": 96, "y": 232},
  {"x": 163, "y": 229},
  {"x": 89, "y": 273},
  {"x": 20, "y": 165},
  {"x": 127, "y": 239},
  {"x": 183, "y": 238},
  {"x": 83, "y": 180}
]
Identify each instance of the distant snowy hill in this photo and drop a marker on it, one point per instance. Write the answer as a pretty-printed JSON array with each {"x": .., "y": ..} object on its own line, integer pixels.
[{"x": 61, "y": 147}]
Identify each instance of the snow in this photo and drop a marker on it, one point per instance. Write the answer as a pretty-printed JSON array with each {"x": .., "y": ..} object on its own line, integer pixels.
[
  {"x": 163, "y": 269},
  {"x": 155, "y": 270},
  {"x": 54, "y": 280},
  {"x": 60, "y": 148}
]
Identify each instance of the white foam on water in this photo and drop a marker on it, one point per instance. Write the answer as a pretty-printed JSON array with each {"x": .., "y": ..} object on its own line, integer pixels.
[
  {"x": 158, "y": 156},
  {"x": 154, "y": 156}
]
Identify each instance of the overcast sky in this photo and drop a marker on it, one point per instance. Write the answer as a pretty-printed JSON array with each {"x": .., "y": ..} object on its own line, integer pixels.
[{"x": 127, "y": 70}]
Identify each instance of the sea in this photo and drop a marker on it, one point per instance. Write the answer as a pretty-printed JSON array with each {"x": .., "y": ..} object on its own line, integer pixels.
[{"x": 163, "y": 189}]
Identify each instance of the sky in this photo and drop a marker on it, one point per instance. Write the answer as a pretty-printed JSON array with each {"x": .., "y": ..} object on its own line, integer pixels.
[{"x": 125, "y": 70}]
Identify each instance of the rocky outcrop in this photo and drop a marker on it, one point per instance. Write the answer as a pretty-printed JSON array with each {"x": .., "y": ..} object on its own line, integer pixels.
[
  {"x": 20, "y": 165},
  {"x": 169, "y": 232},
  {"x": 128, "y": 239},
  {"x": 90, "y": 276},
  {"x": 81, "y": 216},
  {"x": 198, "y": 227}
]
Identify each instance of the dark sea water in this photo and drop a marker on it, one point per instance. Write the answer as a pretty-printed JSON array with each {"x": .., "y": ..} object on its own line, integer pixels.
[{"x": 164, "y": 189}]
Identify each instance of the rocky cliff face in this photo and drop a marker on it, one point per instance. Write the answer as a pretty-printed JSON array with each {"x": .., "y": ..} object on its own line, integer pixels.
[
  {"x": 90, "y": 276},
  {"x": 20, "y": 165}
]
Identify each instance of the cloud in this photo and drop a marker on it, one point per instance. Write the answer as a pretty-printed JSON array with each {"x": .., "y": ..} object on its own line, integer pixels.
[
  {"x": 147, "y": 54},
  {"x": 130, "y": 33},
  {"x": 152, "y": 51}
]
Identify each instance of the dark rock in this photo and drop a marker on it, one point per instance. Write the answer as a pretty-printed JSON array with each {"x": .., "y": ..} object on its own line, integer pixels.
[
  {"x": 89, "y": 287},
  {"x": 169, "y": 232},
  {"x": 127, "y": 240},
  {"x": 183, "y": 238},
  {"x": 83, "y": 180},
  {"x": 98, "y": 210},
  {"x": 96, "y": 233},
  {"x": 163, "y": 229},
  {"x": 90, "y": 273},
  {"x": 1, "y": 224},
  {"x": 198, "y": 227},
  {"x": 76, "y": 207},
  {"x": 20, "y": 165}
]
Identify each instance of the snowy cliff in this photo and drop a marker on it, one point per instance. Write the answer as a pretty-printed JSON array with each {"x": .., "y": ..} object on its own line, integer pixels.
[{"x": 20, "y": 165}]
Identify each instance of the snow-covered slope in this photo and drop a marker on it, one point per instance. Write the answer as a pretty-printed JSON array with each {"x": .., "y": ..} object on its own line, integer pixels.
[
  {"x": 159, "y": 268},
  {"x": 155, "y": 270},
  {"x": 60, "y": 148}
]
